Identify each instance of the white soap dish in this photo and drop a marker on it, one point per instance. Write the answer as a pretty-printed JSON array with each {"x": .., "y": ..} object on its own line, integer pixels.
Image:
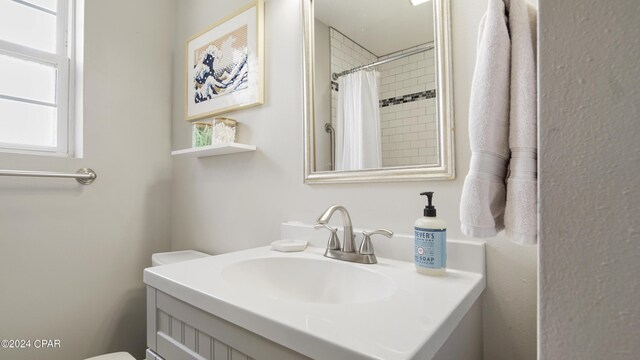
[{"x": 287, "y": 245}]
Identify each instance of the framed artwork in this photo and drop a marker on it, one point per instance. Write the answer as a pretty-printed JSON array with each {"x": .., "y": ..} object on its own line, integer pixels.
[{"x": 225, "y": 65}]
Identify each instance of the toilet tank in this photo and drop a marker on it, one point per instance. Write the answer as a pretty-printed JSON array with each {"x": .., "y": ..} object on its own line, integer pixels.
[{"x": 175, "y": 256}]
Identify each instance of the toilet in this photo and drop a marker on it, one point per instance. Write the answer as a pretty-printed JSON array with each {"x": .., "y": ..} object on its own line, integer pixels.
[
  {"x": 157, "y": 259},
  {"x": 175, "y": 256},
  {"x": 113, "y": 356}
]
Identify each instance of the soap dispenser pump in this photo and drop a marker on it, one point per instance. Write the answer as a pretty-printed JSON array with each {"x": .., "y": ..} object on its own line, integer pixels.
[{"x": 430, "y": 246}]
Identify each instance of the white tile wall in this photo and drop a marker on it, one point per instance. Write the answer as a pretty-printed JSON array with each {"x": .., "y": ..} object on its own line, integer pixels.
[
  {"x": 408, "y": 75},
  {"x": 409, "y": 134},
  {"x": 407, "y": 139}
]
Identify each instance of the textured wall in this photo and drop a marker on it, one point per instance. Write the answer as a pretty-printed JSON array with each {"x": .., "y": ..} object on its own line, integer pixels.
[
  {"x": 227, "y": 203},
  {"x": 590, "y": 183},
  {"x": 72, "y": 256}
]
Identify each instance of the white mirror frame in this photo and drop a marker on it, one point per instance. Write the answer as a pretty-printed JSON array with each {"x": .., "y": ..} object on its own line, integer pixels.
[{"x": 444, "y": 170}]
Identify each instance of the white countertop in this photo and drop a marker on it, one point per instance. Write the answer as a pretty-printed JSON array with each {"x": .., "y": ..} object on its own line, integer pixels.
[{"x": 414, "y": 322}]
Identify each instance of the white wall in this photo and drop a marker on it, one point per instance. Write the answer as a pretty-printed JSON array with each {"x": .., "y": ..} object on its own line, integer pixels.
[
  {"x": 322, "y": 96},
  {"x": 226, "y": 203},
  {"x": 590, "y": 183},
  {"x": 72, "y": 256}
]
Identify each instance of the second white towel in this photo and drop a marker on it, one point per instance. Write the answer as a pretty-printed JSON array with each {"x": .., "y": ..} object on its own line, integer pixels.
[{"x": 502, "y": 127}]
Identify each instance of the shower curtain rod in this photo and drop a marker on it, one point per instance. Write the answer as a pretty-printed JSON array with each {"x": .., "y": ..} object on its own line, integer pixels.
[
  {"x": 84, "y": 176},
  {"x": 335, "y": 76}
]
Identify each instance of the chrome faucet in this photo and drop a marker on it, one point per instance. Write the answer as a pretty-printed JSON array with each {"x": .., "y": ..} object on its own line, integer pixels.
[
  {"x": 348, "y": 240},
  {"x": 348, "y": 250}
]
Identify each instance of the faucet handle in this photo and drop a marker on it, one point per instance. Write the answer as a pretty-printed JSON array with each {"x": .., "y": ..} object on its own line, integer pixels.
[
  {"x": 334, "y": 242},
  {"x": 366, "y": 247}
]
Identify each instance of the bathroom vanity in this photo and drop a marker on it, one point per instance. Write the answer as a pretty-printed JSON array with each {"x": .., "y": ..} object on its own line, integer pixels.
[
  {"x": 178, "y": 330},
  {"x": 264, "y": 304}
]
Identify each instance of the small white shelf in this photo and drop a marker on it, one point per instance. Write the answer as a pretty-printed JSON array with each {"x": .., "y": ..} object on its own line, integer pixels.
[{"x": 213, "y": 150}]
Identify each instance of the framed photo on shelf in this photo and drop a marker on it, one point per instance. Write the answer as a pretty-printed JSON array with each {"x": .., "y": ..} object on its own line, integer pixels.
[{"x": 225, "y": 64}]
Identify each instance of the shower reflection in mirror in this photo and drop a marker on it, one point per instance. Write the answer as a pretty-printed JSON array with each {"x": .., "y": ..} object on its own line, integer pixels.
[
  {"x": 373, "y": 111},
  {"x": 378, "y": 93}
]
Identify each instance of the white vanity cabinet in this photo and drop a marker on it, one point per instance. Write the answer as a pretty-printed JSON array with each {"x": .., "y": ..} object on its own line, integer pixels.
[
  {"x": 263, "y": 304},
  {"x": 179, "y": 331}
]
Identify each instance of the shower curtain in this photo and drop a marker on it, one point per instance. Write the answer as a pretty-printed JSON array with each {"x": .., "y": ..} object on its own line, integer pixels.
[{"x": 358, "y": 141}]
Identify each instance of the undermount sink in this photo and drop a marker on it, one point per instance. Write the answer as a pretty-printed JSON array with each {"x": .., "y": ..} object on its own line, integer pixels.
[{"x": 309, "y": 280}]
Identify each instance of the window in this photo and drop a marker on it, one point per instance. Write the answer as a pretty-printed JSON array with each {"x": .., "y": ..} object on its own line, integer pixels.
[{"x": 35, "y": 83}]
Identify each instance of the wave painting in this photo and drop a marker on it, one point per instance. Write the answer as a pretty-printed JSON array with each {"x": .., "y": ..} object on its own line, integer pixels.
[{"x": 221, "y": 67}]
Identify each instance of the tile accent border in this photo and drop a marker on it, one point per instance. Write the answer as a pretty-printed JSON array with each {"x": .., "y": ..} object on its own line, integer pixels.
[{"x": 408, "y": 98}]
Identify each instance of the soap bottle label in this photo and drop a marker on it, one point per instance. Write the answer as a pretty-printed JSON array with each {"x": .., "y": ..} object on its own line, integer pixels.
[{"x": 430, "y": 248}]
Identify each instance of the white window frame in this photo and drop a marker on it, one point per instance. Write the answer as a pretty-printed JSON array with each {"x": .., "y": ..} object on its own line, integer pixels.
[{"x": 63, "y": 61}]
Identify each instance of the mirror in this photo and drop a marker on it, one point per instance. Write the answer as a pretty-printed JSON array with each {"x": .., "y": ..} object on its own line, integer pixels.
[{"x": 378, "y": 104}]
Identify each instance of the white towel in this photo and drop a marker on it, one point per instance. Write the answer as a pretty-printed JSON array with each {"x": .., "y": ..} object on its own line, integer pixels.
[
  {"x": 502, "y": 127},
  {"x": 521, "y": 218},
  {"x": 483, "y": 196}
]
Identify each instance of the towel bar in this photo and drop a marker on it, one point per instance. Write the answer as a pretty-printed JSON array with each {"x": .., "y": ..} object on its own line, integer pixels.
[{"x": 84, "y": 176}]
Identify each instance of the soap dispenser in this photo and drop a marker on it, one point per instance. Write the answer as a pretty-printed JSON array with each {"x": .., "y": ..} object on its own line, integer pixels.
[{"x": 430, "y": 247}]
